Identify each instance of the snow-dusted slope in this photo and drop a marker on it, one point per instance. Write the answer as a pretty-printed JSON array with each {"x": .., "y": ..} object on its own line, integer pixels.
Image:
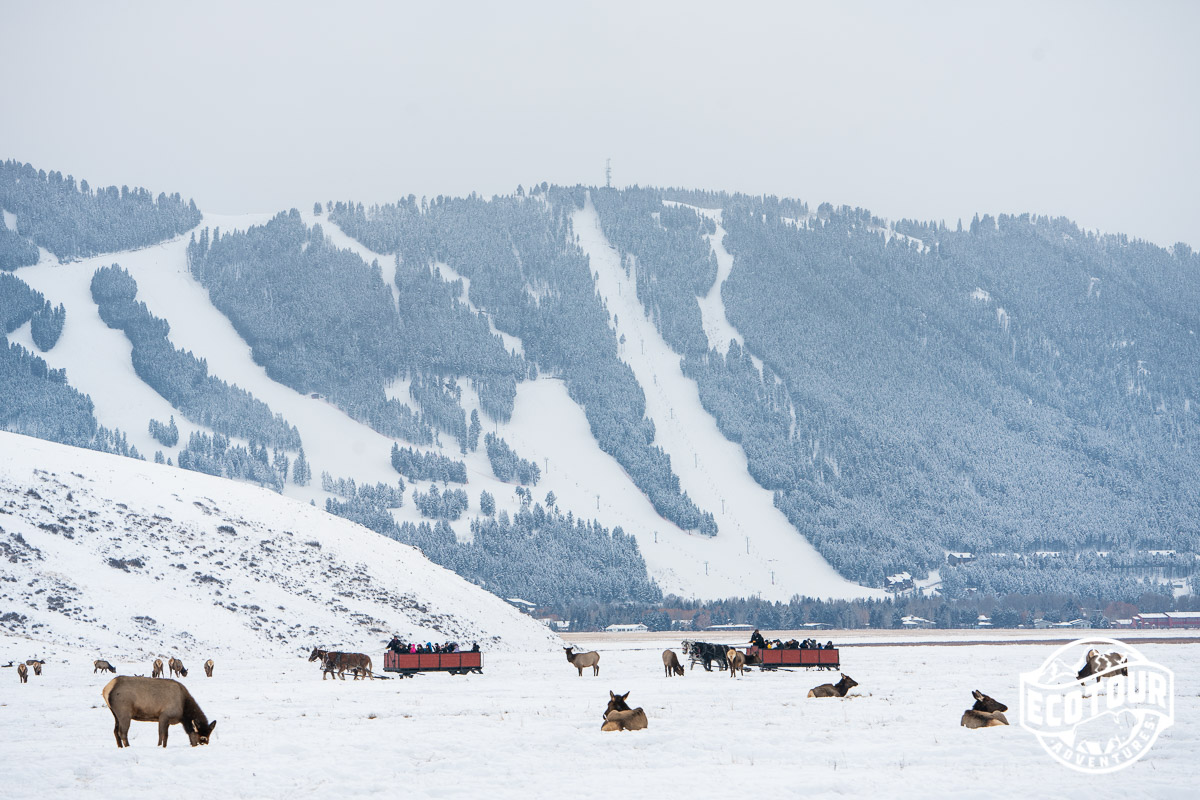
[
  {"x": 135, "y": 559},
  {"x": 757, "y": 550}
]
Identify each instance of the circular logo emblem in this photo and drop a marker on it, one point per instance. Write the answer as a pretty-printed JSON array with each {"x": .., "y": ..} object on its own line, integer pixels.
[{"x": 1097, "y": 705}]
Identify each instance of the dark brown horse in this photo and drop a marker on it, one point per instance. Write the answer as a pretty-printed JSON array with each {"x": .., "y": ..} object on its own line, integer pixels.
[
  {"x": 336, "y": 663},
  {"x": 986, "y": 713},
  {"x": 618, "y": 716},
  {"x": 155, "y": 700}
]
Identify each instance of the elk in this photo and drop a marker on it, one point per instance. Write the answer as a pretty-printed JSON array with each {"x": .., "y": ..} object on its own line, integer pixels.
[
  {"x": 834, "y": 690},
  {"x": 671, "y": 663},
  {"x": 157, "y": 670},
  {"x": 581, "y": 660},
  {"x": 164, "y": 701},
  {"x": 36, "y": 664},
  {"x": 100, "y": 665},
  {"x": 177, "y": 668},
  {"x": 986, "y": 713},
  {"x": 620, "y": 717},
  {"x": 23, "y": 673},
  {"x": 737, "y": 662},
  {"x": 208, "y": 668}
]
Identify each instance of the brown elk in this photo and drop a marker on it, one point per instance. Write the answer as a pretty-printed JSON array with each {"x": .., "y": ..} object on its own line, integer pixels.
[
  {"x": 671, "y": 663},
  {"x": 620, "y": 717},
  {"x": 834, "y": 690},
  {"x": 160, "y": 700},
  {"x": 208, "y": 668},
  {"x": 23, "y": 673},
  {"x": 1102, "y": 666},
  {"x": 176, "y": 667},
  {"x": 36, "y": 664},
  {"x": 157, "y": 670},
  {"x": 986, "y": 713},
  {"x": 737, "y": 662},
  {"x": 581, "y": 660},
  {"x": 100, "y": 665}
]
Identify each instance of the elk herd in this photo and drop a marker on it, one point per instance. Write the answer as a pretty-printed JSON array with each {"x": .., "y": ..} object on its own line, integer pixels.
[{"x": 168, "y": 702}]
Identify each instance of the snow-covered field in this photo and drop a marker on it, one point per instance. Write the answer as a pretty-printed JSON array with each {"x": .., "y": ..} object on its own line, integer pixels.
[{"x": 530, "y": 727}]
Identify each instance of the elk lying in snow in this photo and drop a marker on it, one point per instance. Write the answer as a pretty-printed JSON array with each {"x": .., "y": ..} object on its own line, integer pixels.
[
  {"x": 23, "y": 673},
  {"x": 157, "y": 670},
  {"x": 671, "y": 663},
  {"x": 208, "y": 668},
  {"x": 986, "y": 713},
  {"x": 176, "y": 667},
  {"x": 737, "y": 661},
  {"x": 581, "y": 660},
  {"x": 620, "y": 717},
  {"x": 838, "y": 689},
  {"x": 155, "y": 700},
  {"x": 100, "y": 665}
]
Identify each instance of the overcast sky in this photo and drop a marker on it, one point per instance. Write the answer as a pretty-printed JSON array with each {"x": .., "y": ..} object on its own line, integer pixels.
[{"x": 929, "y": 110}]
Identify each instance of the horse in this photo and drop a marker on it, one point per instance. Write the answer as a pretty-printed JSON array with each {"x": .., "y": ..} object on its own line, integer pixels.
[
  {"x": 737, "y": 662},
  {"x": 23, "y": 673},
  {"x": 707, "y": 653},
  {"x": 671, "y": 663},
  {"x": 333, "y": 661},
  {"x": 618, "y": 716},
  {"x": 100, "y": 665},
  {"x": 986, "y": 713},
  {"x": 157, "y": 670},
  {"x": 834, "y": 690},
  {"x": 176, "y": 667},
  {"x": 208, "y": 668},
  {"x": 155, "y": 700},
  {"x": 581, "y": 660}
]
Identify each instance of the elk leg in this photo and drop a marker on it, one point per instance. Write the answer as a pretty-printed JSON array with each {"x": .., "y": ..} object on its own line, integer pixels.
[{"x": 163, "y": 726}]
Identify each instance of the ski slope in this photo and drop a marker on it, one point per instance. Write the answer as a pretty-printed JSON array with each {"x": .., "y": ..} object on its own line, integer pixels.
[{"x": 756, "y": 549}]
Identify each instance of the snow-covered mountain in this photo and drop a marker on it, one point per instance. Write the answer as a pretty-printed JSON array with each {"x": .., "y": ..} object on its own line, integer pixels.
[{"x": 133, "y": 559}]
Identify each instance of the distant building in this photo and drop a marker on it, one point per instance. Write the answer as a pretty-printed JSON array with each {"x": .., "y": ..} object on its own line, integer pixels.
[
  {"x": 954, "y": 559},
  {"x": 983, "y": 621},
  {"x": 522, "y": 605},
  {"x": 731, "y": 626},
  {"x": 1167, "y": 619},
  {"x": 626, "y": 627},
  {"x": 554, "y": 623},
  {"x": 912, "y": 621},
  {"x": 900, "y": 582},
  {"x": 816, "y": 626}
]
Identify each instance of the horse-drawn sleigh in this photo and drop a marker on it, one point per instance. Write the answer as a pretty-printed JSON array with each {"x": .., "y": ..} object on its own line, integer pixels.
[{"x": 771, "y": 658}]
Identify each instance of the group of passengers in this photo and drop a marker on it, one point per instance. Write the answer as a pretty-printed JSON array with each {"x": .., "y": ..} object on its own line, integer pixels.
[
  {"x": 398, "y": 645},
  {"x": 758, "y": 640}
]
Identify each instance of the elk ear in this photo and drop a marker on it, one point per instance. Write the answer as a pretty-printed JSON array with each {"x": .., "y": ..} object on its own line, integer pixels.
[
  {"x": 625, "y": 696},
  {"x": 211, "y": 725},
  {"x": 978, "y": 695},
  {"x": 611, "y": 696}
]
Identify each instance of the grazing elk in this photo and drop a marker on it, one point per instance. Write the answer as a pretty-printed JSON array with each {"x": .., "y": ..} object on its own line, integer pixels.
[
  {"x": 737, "y": 661},
  {"x": 163, "y": 701},
  {"x": 208, "y": 668},
  {"x": 177, "y": 668},
  {"x": 986, "y": 713},
  {"x": 838, "y": 689},
  {"x": 581, "y": 660},
  {"x": 36, "y": 664},
  {"x": 671, "y": 663},
  {"x": 23, "y": 673},
  {"x": 1102, "y": 666},
  {"x": 157, "y": 670},
  {"x": 618, "y": 716},
  {"x": 100, "y": 665}
]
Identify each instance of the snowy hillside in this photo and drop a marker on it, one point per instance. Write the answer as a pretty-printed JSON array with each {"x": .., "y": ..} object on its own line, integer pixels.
[{"x": 133, "y": 559}]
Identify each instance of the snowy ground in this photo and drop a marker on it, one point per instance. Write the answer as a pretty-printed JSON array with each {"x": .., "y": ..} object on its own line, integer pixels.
[{"x": 530, "y": 727}]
